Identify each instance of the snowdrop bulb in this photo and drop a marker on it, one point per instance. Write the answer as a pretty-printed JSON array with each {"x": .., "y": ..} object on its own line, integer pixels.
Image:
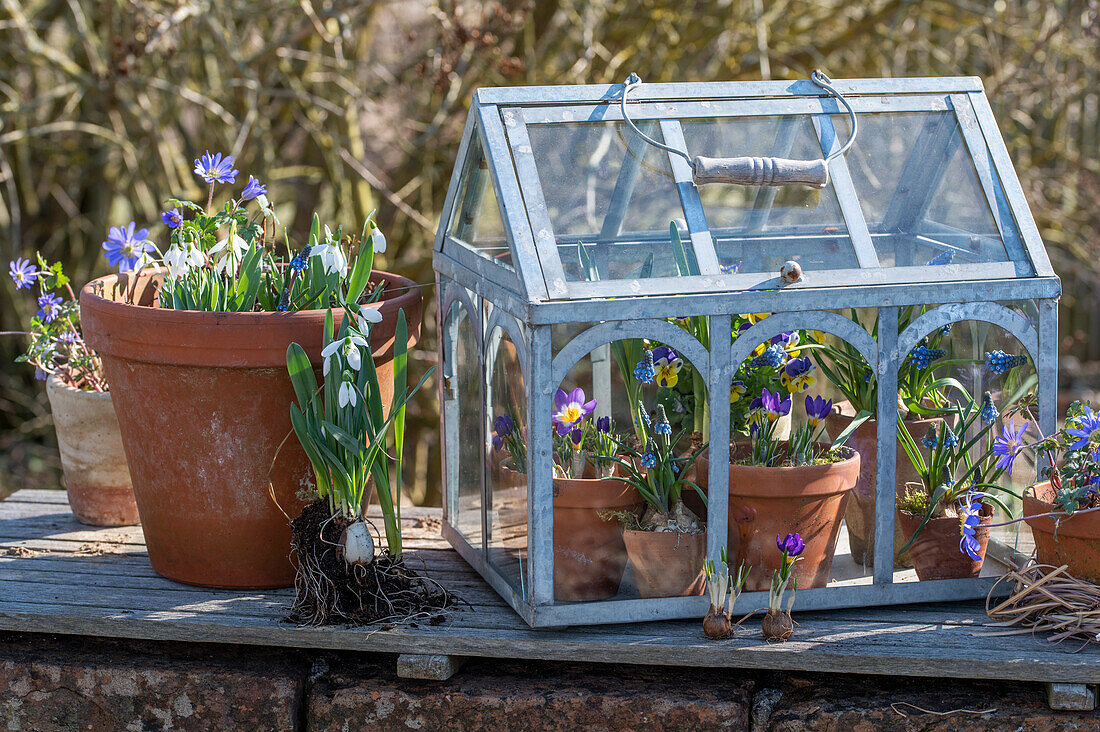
[{"x": 358, "y": 544}]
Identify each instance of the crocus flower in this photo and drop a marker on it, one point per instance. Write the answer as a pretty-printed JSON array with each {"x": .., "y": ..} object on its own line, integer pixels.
[
  {"x": 570, "y": 409},
  {"x": 817, "y": 409},
  {"x": 989, "y": 411},
  {"x": 774, "y": 405},
  {"x": 942, "y": 258},
  {"x": 603, "y": 424},
  {"x": 22, "y": 272},
  {"x": 999, "y": 362},
  {"x": 48, "y": 305},
  {"x": 666, "y": 366},
  {"x": 172, "y": 218},
  {"x": 737, "y": 390},
  {"x": 125, "y": 246},
  {"x": 1008, "y": 445},
  {"x": 970, "y": 508},
  {"x": 504, "y": 425},
  {"x": 215, "y": 168},
  {"x": 791, "y": 545},
  {"x": 798, "y": 375},
  {"x": 645, "y": 371},
  {"x": 1086, "y": 429},
  {"x": 498, "y": 443},
  {"x": 576, "y": 436},
  {"x": 253, "y": 189}
]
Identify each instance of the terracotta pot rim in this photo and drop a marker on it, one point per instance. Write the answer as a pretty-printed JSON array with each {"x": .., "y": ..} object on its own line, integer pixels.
[
  {"x": 595, "y": 493},
  {"x": 1084, "y": 526},
  {"x": 165, "y": 336},
  {"x": 55, "y": 382},
  {"x": 702, "y": 534},
  {"x": 845, "y": 464}
]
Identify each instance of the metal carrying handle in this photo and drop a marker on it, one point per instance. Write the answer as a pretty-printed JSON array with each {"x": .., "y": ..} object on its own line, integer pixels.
[{"x": 754, "y": 171}]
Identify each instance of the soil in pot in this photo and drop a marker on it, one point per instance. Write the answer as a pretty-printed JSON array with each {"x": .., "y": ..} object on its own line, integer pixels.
[
  {"x": 765, "y": 502},
  {"x": 589, "y": 552},
  {"x": 1077, "y": 541},
  {"x": 97, "y": 478},
  {"x": 203, "y": 403},
  {"x": 935, "y": 552},
  {"x": 328, "y": 590},
  {"x": 667, "y": 563},
  {"x": 860, "y": 513}
]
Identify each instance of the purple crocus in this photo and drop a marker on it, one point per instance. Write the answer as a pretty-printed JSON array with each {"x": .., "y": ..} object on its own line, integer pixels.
[
  {"x": 576, "y": 436},
  {"x": 817, "y": 409},
  {"x": 48, "y": 306},
  {"x": 504, "y": 425},
  {"x": 603, "y": 424},
  {"x": 22, "y": 272},
  {"x": 570, "y": 410},
  {"x": 791, "y": 545},
  {"x": 216, "y": 168},
  {"x": 498, "y": 443},
  {"x": 1086, "y": 429},
  {"x": 1008, "y": 445},
  {"x": 172, "y": 218},
  {"x": 970, "y": 508},
  {"x": 125, "y": 246},
  {"x": 774, "y": 405},
  {"x": 253, "y": 189}
]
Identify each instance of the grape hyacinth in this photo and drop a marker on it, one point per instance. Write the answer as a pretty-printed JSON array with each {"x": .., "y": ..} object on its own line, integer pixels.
[
  {"x": 772, "y": 357},
  {"x": 922, "y": 356},
  {"x": 662, "y": 426},
  {"x": 989, "y": 411},
  {"x": 644, "y": 371},
  {"x": 999, "y": 362}
]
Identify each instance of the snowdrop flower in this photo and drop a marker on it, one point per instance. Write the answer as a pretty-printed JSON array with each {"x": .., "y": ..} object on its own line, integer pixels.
[
  {"x": 366, "y": 318},
  {"x": 347, "y": 395},
  {"x": 332, "y": 257},
  {"x": 377, "y": 239},
  {"x": 234, "y": 248},
  {"x": 349, "y": 347},
  {"x": 179, "y": 261}
]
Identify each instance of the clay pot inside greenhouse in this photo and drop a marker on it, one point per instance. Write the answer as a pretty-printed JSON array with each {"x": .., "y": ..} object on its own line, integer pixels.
[
  {"x": 935, "y": 552},
  {"x": 589, "y": 553},
  {"x": 860, "y": 514},
  {"x": 765, "y": 502},
  {"x": 203, "y": 402},
  {"x": 1077, "y": 541},
  {"x": 667, "y": 563},
  {"x": 97, "y": 478}
]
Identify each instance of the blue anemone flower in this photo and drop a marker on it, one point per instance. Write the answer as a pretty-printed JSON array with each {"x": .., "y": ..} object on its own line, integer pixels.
[
  {"x": 216, "y": 168},
  {"x": 970, "y": 509},
  {"x": 253, "y": 189},
  {"x": 125, "y": 246},
  {"x": 48, "y": 306},
  {"x": 22, "y": 272},
  {"x": 172, "y": 218},
  {"x": 1086, "y": 429}
]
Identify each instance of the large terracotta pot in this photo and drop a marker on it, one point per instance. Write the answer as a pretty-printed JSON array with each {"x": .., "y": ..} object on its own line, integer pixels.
[
  {"x": 96, "y": 476},
  {"x": 589, "y": 553},
  {"x": 767, "y": 502},
  {"x": 203, "y": 400},
  {"x": 1078, "y": 537},
  {"x": 860, "y": 514},
  {"x": 936, "y": 553},
  {"x": 667, "y": 563}
]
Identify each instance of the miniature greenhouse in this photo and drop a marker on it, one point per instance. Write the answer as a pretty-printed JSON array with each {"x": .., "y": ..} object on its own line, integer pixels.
[{"x": 851, "y": 237}]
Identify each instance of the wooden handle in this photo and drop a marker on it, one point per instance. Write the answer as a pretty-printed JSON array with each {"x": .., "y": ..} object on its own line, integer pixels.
[{"x": 749, "y": 171}]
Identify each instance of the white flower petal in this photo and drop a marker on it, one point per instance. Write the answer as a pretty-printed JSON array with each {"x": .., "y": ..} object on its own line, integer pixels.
[
  {"x": 378, "y": 241},
  {"x": 342, "y": 397},
  {"x": 354, "y": 361},
  {"x": 331, "y": 348},
  {"x": 369, "y": 315}
]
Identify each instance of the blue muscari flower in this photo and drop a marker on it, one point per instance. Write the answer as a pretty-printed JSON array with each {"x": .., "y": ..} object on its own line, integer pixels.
[
  {"x": 125, "y": 246},
  {"x": 946, "y": 330},
  {"x": 662, "y": 427},
  {"x": 950, "y": 439},
  {"x": 649, "y": 458},
  {"x": 215, "y": 168},
  {"x": 989, "y": 411},
  {"x": 301, "y": 259},
  {"x": 48, "y": 304},
  {"x": 1000, "y": 362},
  {"x": 922, "y": 356},
  {"x": 22, "y": 272},
  {"x": 253, "y": 190},
  {"x": 867, "y": 374},
  {"x": 172, "y": 218},
  {"x": 942, "y": 258},
  {"x": 773, "y": 357},
  {"x": 644, "y": 371},
  {"x": 645, "y": 415},
  {"x": 929, "y": 440}
]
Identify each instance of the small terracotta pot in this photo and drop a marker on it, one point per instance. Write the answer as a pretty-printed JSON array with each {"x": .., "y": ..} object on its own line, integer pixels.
[
  {"x": 589, "y": 553},
  {"x": 203, "y": 401},
  {"x": 860, "y": 514},
  {"x": 667, "y": 563},
  {"x": 1077, "y": 542},
  {"x": 767, "y": 502},
  {"x": 935, "y": 552},
  {"x": 97, "y": 479}
]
